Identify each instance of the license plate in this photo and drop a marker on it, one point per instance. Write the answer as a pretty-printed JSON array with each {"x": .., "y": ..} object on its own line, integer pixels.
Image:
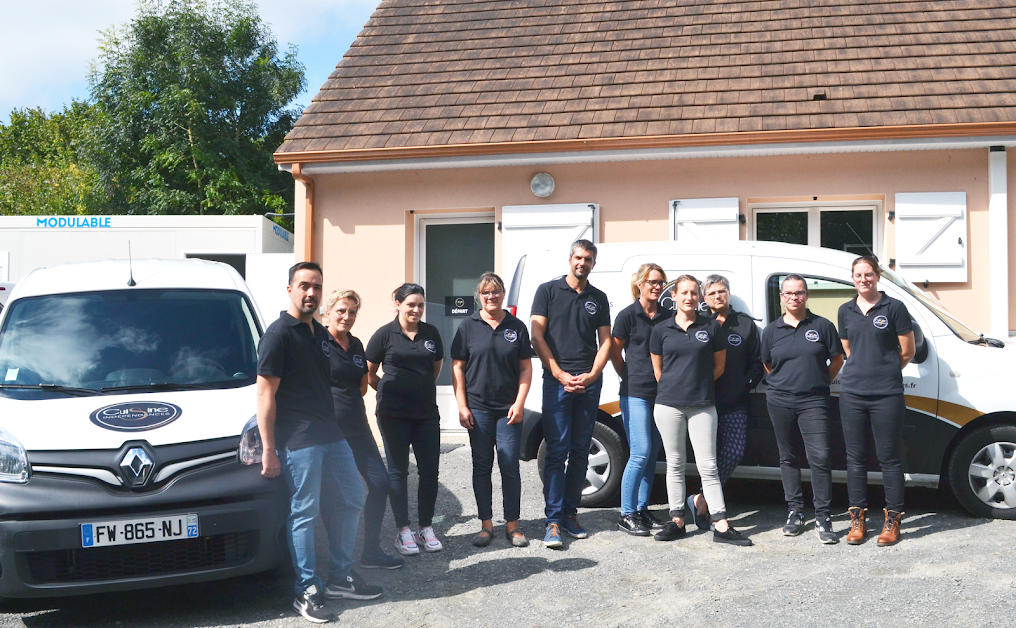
[{"x": 131, "y": 531}]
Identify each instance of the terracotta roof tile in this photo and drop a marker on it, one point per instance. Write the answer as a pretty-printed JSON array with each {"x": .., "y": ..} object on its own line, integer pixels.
[{"x": 427, "y": 72}]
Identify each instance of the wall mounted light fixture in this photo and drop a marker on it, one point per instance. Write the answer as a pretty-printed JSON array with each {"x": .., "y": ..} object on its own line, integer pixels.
[{"x": 542, "y": 185}]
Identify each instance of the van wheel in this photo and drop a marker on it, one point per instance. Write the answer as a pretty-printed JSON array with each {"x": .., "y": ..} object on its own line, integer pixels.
[
  {"x": 982, "y": 472},
  {"x": 607, "y": 458}
]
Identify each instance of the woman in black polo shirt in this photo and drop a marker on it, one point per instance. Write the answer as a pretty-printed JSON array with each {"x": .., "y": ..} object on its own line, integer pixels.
[
  {"x": 878, "y": 339},
  {"x": 630, "y": 356},
  {"x": 688, "y": 356},
  {"x": 802, "y": 353},
  {"x": 492, "y": 371},
  {"x": 411, "y": 352}
]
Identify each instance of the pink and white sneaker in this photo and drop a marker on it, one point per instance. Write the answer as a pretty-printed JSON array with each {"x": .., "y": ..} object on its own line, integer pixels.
[
  {"x": 405, "y": 542},
  {"x": 428, "y": 539}
]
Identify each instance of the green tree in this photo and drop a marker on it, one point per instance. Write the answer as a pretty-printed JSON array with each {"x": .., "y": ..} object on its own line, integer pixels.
[
  {"x": 192, "y": 101},
  {"x": 42, "y": 170}
]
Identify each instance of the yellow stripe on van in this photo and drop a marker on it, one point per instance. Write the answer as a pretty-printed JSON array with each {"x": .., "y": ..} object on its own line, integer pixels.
[{"x": 952, "y": 412}]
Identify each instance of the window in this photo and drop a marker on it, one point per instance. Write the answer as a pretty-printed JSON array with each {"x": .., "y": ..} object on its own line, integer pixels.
[
  {"x": 848, "y": 227},
  {"x": 825, "y": 296}
]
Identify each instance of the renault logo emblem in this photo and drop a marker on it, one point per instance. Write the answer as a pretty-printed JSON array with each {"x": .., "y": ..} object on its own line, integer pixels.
[{"x": 136, "y": 466}]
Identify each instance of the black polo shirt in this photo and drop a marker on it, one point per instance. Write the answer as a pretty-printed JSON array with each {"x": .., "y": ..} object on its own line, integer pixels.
[
  {"x": 347, "y": 370},
  {"x": 573, "y": 319},
  {"x": 873, "y": 367},
  {"x": 798, "y": 355},
  {"x": 298, "y": 356},
  {"x": 492, "y": 360},
  {"x": 743, "y": 370},
  {"x": 634, "y": 326},
  {"x": 408, "y": 388},
  {"x": 687, "y": 377}
]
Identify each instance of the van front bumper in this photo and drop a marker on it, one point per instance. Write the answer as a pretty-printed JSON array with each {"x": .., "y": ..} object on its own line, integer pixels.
[{"x": 240, "y": 519}]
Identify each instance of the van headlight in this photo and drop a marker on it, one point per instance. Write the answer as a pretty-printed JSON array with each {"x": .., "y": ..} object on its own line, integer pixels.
[
  {"x": 250, "y": 443},
  {"x": 13, "y": 459}
]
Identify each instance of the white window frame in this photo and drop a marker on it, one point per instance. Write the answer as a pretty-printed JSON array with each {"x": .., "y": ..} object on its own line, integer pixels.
[{"x": 814, "y": 209}]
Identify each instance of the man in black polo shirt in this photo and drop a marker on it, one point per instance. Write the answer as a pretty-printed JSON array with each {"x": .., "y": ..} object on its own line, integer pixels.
[
  {"x": 302, "y": 441},
  {"x": 569, "y": 318}
]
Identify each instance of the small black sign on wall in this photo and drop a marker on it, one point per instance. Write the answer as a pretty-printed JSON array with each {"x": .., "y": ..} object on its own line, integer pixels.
[{"x": 458, "y": 306}]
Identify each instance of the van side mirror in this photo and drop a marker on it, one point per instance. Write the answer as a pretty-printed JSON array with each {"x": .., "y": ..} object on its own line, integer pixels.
[{"x": 920, "y": 343}]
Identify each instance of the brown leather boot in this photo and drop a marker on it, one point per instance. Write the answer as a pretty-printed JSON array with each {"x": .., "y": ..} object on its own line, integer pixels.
[
  {"x": 858, "y": 526},
  {"x": 891, "y": 530}
]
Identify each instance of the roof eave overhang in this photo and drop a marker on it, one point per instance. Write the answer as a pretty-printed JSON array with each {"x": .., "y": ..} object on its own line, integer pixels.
[{"x": 811, "y": 141}]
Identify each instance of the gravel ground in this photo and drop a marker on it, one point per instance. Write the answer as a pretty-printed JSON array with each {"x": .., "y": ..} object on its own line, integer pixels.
[{"x": 950, "y": 569}]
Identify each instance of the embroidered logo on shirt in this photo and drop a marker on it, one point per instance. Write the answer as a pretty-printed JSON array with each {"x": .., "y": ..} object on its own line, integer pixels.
[
  {"x": 733, "y": 340},
  {"x": 811, "y": 335},
  {"x": 511, "y": 335},
  {"x": 591, "y": 307},
  {"x": 702, "y": 336},
  {"x": 358, "y": 361},
  {"x": 430, "y": 346},
  {"x": 881, "y": 322},
  {"x": 325, "y": 348}
]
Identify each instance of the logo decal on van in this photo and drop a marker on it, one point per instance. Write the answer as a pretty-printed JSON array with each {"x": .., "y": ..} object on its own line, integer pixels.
[
  {"x": 811, "y": 335},
  {"x": 358, "y": 361},
  {"x": 136, "y": 416},
  {"x": 591, "y": 307},
  {"x": 702, "y": 336},
  {"x": 881, "y": 322},
  {"x": 733, "y": 340},
  {"x": 430, "y": 346},
  {"x": 511, "y": 335}
]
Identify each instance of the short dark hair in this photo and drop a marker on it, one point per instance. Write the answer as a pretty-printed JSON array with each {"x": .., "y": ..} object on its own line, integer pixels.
[
  {"x": 406, "y": 290},
  {"x": 585, "y": 245},
  {"x": 794, "y": 277},
  {"x": 304, "y": 266}
]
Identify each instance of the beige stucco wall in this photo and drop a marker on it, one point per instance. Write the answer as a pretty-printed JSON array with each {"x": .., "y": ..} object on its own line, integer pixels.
[{"x": 363, "y": 228}]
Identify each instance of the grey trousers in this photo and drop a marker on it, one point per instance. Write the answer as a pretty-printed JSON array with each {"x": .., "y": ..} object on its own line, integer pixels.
[{"x": 698, "y": 422}]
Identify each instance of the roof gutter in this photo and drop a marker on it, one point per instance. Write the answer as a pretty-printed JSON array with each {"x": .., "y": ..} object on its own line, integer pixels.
[
  {"x": 304, "y": 221},
  {"x": 862, "y": 139}
]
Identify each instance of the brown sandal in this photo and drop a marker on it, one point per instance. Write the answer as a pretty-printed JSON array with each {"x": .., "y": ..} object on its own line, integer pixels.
[
  {"x": 483, "y": 537},
  {"x": 516, "y": 537}
]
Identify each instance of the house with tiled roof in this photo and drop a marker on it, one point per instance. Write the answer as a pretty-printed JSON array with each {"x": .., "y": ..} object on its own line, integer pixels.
[{"x": 453, "y": 135}]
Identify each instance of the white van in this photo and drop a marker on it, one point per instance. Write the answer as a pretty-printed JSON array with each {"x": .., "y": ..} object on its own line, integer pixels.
[
  {"x": 960, "y": 427},
  {"x": 129, "y": 451}
]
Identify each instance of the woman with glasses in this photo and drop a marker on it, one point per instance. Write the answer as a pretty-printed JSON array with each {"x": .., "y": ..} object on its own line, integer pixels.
[
  {"x": 802, "y": 353},
  {"x": 630, "y": 356},
  {"x": 878, "y": 339},
  {"x": 688, "y": 356},
  {"x": 492, "y": 371}
]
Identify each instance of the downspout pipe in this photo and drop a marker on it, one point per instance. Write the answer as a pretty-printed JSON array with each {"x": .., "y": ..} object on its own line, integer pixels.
[
  {"x": 304, "y": 221},
  {"x": 998, "y": 243}
]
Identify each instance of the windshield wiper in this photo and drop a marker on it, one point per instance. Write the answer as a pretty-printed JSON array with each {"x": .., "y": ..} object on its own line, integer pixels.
[
  {"x": 71, "y": 390},
  {"x": 169, "y": 386}
]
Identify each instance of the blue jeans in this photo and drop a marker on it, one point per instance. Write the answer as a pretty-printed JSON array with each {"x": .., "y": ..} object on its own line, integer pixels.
[
  {"x": 302, "y": 470},
  {"x": 491, "y": 430},
  {"x": 568, "y": 421},
  {"x": 644, "y": 445},
  {"x": 379, "y": 486}
]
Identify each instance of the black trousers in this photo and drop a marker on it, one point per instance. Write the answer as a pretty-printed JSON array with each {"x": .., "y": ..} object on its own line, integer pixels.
[
  {"x": 425, "y": 437},
  {"x": 799, "y": 433},
  {"x": 881, "y": 416},
  {"x": 379, "y": 486}
]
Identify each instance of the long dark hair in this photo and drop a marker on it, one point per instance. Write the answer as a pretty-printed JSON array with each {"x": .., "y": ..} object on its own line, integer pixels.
[{"x": 404, "y": 291}]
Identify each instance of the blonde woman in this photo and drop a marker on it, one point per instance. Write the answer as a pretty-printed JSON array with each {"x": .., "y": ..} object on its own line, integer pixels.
[{"x": 630, "y": 356}]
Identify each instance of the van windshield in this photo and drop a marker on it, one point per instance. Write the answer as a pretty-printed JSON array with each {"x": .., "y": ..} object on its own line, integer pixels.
[
  {"x": 128, "y": 340},
  {"x": 958, "y": 328}
]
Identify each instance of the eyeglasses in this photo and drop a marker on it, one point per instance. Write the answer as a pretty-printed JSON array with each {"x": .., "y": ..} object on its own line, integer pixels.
[
  {"x": 491, "y": 294},
  {"x": 656, "y": 283},
  {"x": 716, "y": 293},
  {"x": 800, "y": 294}
]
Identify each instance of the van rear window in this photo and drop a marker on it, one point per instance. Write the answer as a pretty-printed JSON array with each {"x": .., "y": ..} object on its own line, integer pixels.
[{"x": 104, "y": 342}]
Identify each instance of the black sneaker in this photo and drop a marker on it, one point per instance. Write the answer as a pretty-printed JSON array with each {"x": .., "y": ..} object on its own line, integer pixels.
[
  {"x": 649, "y": 520},
  {"x": 795, "y": 523},
  {"x": 632, "y": 524},
  {"x": 731, "y": 536},
  {"x": 670, "y": 532},
  {"x": 379, "y": 560},
  {"x": 311, "y": 605},
  {"x": 353, "y": 588},
  {"x": 824, "y": 530}
]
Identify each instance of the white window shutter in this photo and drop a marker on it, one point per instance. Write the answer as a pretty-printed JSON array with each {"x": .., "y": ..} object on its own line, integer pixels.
[
  {"x": 537, "y": 228},
  {"x": 931, "y": 236},
  {"x": 705, "y": 220}
]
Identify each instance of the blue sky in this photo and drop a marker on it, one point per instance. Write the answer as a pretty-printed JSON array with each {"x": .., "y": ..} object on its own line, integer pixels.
[{"x": 48, "y": 45}]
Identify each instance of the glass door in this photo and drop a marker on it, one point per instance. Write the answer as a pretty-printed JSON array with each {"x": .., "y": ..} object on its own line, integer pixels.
[{"x": 454, "y": 252}]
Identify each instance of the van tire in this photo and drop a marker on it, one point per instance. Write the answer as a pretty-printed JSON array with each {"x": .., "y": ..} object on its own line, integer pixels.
[
  {"x": 991, "y": 449},
  {"x": 607, "y": 449}
]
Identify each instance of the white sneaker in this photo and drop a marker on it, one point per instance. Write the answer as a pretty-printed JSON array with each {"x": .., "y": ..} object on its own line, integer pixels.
[
  {"x": 405, "y": 542},
  {"x": 428, "y": 539}
]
